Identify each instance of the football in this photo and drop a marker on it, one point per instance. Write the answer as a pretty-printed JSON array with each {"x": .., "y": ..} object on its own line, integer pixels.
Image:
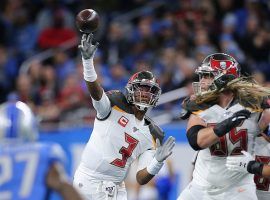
[{"x": 87, "y": 21}]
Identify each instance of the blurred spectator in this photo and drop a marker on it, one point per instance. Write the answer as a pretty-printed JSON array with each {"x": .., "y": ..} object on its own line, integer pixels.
[
  {"x": 64, "y": 66},
  {"x": 48, "y": 80},
  {"x": 167, "y": 37},
  {"x": 8, "y": 16},
  {"x": 34, "y": 71},
  {"x": 46, "y": 17},
  {"x": 117, "y": 78},
  {"x": 115, "y": 44},
  {"x": 48, "y": 111},
  {"x": 8, "y": 73},
  {"x": 71, "y": 97},
  {"x": 26, "y": 93},
  {"x": 57, "y": 34},
  {"x": 24, "y": 35}
]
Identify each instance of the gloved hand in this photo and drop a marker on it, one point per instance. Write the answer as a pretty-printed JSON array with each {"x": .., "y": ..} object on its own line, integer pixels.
[
  {"x": 165, "y": 150},
  {"x": 228, "y": 124},
  {"x": 156, "y": 131},
  {"x": 239, "y": 163},
  {"x": 86, "y": 47},
  {"x": 222, "y": 80}
]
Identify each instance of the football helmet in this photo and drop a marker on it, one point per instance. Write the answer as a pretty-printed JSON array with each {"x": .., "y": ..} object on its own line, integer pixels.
[
  {"x": 17, "y": 122},
  {"x": 143, "y": 90},
  {"x": 222, "y": 67}
]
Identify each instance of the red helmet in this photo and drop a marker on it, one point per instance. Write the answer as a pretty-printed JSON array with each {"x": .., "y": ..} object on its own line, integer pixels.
[
  {"x": 143, "y": 90},
  {"x": 217, "y": 65}
]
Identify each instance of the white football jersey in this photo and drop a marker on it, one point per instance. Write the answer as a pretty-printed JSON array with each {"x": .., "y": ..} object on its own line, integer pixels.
[
  {"x": 210, "y": 170},
  {"x": 115, "y": 142},
  {"x": 262, "y": 153}
]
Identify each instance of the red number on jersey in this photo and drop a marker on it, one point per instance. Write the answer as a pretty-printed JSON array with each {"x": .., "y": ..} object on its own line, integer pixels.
[
  {"x": 261, "y": 182},
  {"x": 240, "y": 136},
  {"x": 221, "y": 149},
  {"x": 126, "y": 151}
]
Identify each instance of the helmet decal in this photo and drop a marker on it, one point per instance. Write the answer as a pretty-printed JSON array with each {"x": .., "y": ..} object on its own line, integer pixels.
[{"x": 216, "y": 65}]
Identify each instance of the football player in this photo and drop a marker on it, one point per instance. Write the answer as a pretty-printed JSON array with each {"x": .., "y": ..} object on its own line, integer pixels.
[
  {"x": 257, "y": 165},
  {"x": 225, "y": 118},
  {"x": 121, "y": 134},
  {"x": 29, "y": 169}
]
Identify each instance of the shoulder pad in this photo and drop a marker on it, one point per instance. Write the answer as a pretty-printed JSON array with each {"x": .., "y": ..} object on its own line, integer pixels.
[
  {"x": 184, "y": 114},
  {"x": 117, "y": 98},
  {"x": 155, "y": 130},
  {"x": 192, "y": 106}
]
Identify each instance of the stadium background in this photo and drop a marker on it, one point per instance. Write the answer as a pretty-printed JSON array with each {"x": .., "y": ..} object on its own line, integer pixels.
[{"x": 40, "y": 64}]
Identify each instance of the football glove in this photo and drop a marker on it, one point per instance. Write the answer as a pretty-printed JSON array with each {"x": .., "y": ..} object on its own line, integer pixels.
[
  {"x": 239, "y": 163},
  {"x": 222, "y": 80},
  {"x": 165, "y": 150},
  {"x": 86, "y": 47},
  {"x": 228, "y": 124}
]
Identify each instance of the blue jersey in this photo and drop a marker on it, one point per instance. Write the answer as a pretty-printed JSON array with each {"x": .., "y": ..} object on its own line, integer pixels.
[{"x": 23, "y": 169}]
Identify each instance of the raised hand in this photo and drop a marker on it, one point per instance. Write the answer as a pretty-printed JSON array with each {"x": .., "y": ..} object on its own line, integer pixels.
[
  {"x": 86, "y": 47},
  {"x": 165, "y": 150}
]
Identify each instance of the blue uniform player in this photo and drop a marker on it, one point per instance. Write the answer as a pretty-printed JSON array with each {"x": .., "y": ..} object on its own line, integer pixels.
[{"x": 29, "y": 169}]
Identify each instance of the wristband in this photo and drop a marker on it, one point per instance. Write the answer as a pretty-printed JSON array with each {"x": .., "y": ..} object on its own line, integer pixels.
[
  {"x": 89, "y": 72},
  {"x": 154, "y": 166},
  {"x": 255, "y": 167}
]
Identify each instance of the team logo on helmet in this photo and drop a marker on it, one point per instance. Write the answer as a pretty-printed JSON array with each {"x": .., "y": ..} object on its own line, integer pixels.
[{"x": 216, "y": 65}]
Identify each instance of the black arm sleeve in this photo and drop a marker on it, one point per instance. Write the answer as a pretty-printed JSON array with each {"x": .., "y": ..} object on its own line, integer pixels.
[
  {"x": 192, "y": 135},
  {"x": 155, "y": 130},
  {"x": 255, "y": 167}
]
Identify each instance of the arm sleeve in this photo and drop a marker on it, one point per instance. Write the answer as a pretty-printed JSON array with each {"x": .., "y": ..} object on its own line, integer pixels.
[
  {"x": 145, "y": 159},
  {"x": 103, "y": 106}
]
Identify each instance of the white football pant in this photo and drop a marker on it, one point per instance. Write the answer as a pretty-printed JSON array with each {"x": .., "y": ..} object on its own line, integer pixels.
[
  {"x": 98, "y": 190},
  {"x": 237, "y": 192}
]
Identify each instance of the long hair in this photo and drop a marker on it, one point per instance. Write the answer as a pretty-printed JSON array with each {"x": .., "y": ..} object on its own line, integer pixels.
[{"x": 246, "y": 90}]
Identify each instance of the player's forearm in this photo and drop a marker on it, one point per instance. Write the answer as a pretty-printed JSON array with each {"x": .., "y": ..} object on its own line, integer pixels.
[
  {"x": 266, "y": 171},
  {"x": 68, "y": 192},
  {"x": 95, "y": 90},
  {"x": 90, "y": 76},
  {"x": 206, "y": 137},
  {"x": 143, "y": 176}
]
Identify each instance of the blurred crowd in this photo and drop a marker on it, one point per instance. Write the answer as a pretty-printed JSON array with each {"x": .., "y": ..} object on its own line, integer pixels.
[{"x": 168, "y": 37}]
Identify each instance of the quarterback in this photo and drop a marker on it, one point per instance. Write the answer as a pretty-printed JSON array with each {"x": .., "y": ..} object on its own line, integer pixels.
[{"x": 121, "y": 133}]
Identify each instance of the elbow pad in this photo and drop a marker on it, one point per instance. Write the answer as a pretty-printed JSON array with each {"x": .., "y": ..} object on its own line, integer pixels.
[{"x": 192, "y": 135}]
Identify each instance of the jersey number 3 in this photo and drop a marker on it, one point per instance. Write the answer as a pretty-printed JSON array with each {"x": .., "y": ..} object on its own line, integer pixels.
[
  {"x": 126, "y": 151},
  {"x": 220, "y": 148}
]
